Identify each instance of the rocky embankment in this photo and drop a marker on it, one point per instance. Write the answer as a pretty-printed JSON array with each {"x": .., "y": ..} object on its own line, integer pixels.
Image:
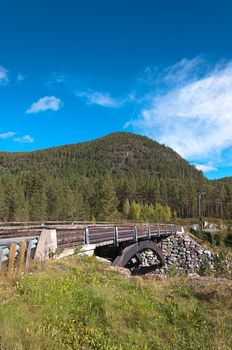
[{"x": 183, "y": 254}]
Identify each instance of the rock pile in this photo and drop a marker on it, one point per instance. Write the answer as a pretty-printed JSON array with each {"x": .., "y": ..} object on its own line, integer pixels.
[
  {"x": 182, "y": 253},
  {"x": 186, "y": 254}
]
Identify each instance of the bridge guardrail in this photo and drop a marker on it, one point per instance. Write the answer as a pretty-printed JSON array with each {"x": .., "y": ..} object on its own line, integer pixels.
[
  {"x": 18, "y": 242},
  {"x": 17, "y": 250}
]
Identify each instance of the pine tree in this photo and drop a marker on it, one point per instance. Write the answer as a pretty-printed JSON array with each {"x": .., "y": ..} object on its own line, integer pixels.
[
  {"x": 38, "y": 206},
  {"x": 66, "y": 203},
  {"x": 21, "y": 206},
  {"x": 3, "y": 207},
  {"x": 126, "y": 209},
  {"x": 106, "y": 201},
  {"x": 135, "y": 211}
]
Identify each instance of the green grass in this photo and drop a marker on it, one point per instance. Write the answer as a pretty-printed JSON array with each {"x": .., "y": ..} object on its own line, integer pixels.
[{"x": 80, "y": 303}]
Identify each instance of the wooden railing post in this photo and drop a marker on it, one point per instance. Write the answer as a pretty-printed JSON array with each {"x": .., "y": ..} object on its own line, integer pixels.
[
  {"x": 158, "y": 230},
  {"x": 28, "y": 254},
  {"x": 136, "y": 234},
  {"x": 116, "y": 236},
  {"x": 1, "y": 256},
  {"x": 11, "y": 258},
  {"x": 21, "y": 255}
]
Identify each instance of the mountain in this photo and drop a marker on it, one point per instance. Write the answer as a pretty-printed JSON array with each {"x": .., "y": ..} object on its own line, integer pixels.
[
  {"x": 225, "y": 180},
  {"x": 81, "y": 181},
  {"x": 118, "y": 152}
]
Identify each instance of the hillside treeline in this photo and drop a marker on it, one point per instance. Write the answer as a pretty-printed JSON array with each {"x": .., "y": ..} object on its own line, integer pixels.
[
  {"x": 36, "y": 195},
  {"x": 120, "y": 176}
]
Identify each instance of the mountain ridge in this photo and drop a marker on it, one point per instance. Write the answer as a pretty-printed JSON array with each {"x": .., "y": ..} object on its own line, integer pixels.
[
  {"x": 126, "y": 144},
  {"x": 83, "y": 180}
]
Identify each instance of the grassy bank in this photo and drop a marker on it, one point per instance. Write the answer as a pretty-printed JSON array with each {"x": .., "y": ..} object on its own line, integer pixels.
[{"x": 80, "y": 303}]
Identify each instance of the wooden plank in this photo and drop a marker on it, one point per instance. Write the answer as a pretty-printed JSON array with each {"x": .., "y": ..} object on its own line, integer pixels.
[
  {"x": 11, "y": 258},
  {"x": 21, "y": 255},
  {"x": 135, "y": 234},
  {"x": 28, "y": 254},
  {"x": 1, "y": 256}
]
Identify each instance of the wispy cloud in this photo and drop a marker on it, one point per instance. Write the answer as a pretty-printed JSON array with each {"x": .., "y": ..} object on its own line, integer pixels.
[
  {"x": 193, "y": 112},
  {"x": 24, "y": 139},
  {"x": 87, "y": 95},
  {"x": 4, "y": 76},
  {"x": 205, "y": 168},
  {"x": 99, "y": 98},
  {"x": 44, "y": 104},
  {"x": 184, "y": 70},
  {"x": 11, "y": 134},
  {"x": 7, "y": 135}
]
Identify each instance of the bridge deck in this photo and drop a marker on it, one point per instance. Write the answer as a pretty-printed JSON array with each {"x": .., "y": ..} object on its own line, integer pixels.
[
  {"x": 75, "y": 233},
  {"x": 81, "y": 233}
]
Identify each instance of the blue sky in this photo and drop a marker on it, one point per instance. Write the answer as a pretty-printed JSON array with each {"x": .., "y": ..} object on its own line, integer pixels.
[{"x": 76, "y": 70}]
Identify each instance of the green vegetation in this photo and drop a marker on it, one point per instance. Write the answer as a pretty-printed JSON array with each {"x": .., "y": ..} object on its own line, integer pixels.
[
  {"x": 220, "y": 238},
  {"x": 120, "y": 176},
  {"x": 80, "y": 303}
]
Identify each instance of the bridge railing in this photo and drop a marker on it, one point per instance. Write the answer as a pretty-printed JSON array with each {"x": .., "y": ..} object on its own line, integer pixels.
[
  {"x": 18, "y": 242},
  {"x": 112, "y": 234},
  {"x": 16, "y": 250}
]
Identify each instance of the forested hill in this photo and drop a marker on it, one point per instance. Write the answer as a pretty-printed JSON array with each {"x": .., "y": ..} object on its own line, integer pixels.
[
  {"x": 119, "y": 176},
  {"x": 118, "y": 152}
]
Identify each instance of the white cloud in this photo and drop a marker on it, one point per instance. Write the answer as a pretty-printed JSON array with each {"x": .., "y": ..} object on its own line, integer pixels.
[
  {"x": 99, "y": 98},
  {"x": 4, "y": 76},
  {"x": 44, "y": 104},
  {"x": 194, "y": 115},
  {"x": 205, "y": 168},
  {"x": 24, "y": 139},
  {"x": 7, "y": 135},
  {"x": 184, "y": 70}
]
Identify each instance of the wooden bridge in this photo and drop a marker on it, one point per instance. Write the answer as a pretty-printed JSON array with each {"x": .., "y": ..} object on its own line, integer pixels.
[{"x": 21, "y": 241}]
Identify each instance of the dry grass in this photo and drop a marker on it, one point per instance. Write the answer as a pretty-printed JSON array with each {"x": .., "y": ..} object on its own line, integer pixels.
[{"x": 79, "y": 303}]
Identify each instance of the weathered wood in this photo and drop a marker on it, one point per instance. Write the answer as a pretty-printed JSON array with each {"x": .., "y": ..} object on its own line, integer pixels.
[
  {"x": 11, "y": 259},
  {"x": 28, "y": 254},
  {"x": 1, "y": 256},
  {"x": 136, "y": 235},
  {"x": 116, "y": 236},
  {"x": 21, "y": 255},
  {"x": 70, "y": 233}
]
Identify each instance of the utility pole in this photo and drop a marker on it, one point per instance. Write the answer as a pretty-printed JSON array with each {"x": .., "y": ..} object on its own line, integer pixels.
[{"x": 200, "y": 209}]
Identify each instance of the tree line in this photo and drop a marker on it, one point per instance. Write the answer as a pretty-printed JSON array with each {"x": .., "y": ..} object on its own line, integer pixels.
[
  {"x": 37, "y": 195},
  {"x": 120, "y": 176}
]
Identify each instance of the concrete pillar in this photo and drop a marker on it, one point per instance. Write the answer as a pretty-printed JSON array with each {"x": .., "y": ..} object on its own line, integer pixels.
[
  {"x": 47, "y": 244},
  {"x": 87, "y": 249}
]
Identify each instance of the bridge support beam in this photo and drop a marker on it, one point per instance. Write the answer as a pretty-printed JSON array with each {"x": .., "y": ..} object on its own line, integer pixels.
[{"x": 134, "y": 251}]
